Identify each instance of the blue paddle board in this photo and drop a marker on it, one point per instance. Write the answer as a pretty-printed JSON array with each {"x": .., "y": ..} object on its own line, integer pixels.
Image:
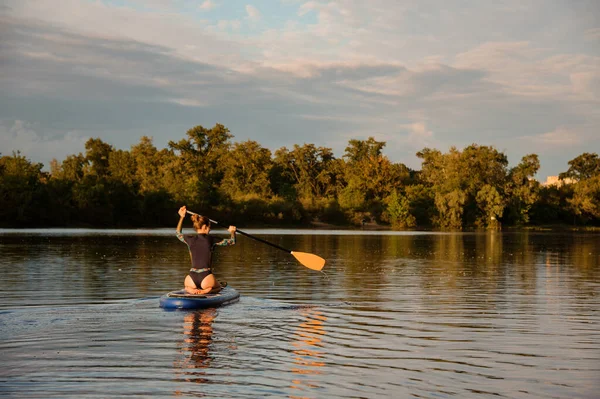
[{"x": 181, "y": 300}]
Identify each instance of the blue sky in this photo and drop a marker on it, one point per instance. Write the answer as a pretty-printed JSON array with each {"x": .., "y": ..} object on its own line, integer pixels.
[{"x": 521, "y": 76}]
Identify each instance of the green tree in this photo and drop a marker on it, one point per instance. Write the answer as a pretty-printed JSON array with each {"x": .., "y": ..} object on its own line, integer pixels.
[
  {"x": 145, "y": 157},
  {"x": 97, "y": 153},
  {"x": 398, "y": 211},
  {"x": 59, "y": 202},
  {"x": 246, "y": 171},
  {"x": 422, "y": 204},
  {"x": 63, "y": 178},
  {"x": 441, "y": 173},
  {"x": 70, "y": 169},
  {"x": 310, "y": 168},
  {"x": 585, "y": 201},
  {"x": 122, "y": 167},
  {"x": 352, "y": 198},
  {"x": 161, "y": 179},
  {"x": 491, "y": 206},
  {"x": 456, "y": 179},
  {"x": 483, "y": 165},
  {"x": 360, "y": 150},
  {"x": 92, "y": 200},
  {"x": 552, "y": 206},
  {"x": 585, "y": 166},
  {"x": 200, "y": 154},
  {"x": 450, "y": 207},
  {"x": 370, "y": 177},
  {"x": 21, "y": 189},
  {"x": 522, "y": 190},
  {"x": 585, "y": 198}
]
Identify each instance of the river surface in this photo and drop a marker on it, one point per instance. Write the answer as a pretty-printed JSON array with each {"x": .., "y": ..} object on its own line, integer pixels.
[{"x": 395, "y": 315}]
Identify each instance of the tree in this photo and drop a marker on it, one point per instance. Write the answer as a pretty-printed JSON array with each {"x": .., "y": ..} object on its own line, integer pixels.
[
  {"x": 585, "y": 202},
  {"x": 491, "y": 206},
  {"x": 398, "y": 211},
  {"x": 480, "y": 166},
  {"x": 64, "y": 176},
  {"x": 159, "y": 172},
  {"x": 92, "y": 199},
  {"x": 200, "y": 154},
  {"x": 310, "y": 168},
  {"x": 360, "y": 150},
  {"x": 20, "y": 191},
  {"x": 71, "y": 169},
  {"x": 352, "y": 198},
  {"x": 146, "y": 160},
  {"x": 422, "y": 203},
  {"x": 458, "y": 177},
  {"x": 122, "y": 167},
  {"x": 370, "y": 176},
  {"x": 246, "y": 170},
  {"x": 522, "y": 190},
  {"x": 450, "y": 207},
  {"x": 552, "y": 206},
  {"x": 97, "y": 153},
  {"x": 585, "y": 166}
]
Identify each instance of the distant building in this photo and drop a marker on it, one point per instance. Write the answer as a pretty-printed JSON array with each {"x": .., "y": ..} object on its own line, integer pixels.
[{"x": 555, "y": 181}]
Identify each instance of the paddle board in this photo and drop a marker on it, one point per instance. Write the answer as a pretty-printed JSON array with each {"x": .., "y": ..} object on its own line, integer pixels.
[{"x": 181, "y": 300}]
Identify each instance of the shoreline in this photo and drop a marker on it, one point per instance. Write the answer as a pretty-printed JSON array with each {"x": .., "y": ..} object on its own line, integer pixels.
[{"x": 326, "y": 226}]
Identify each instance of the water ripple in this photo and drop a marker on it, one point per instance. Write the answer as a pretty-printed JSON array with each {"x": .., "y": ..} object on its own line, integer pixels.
[{"x": 422, "y": 316}]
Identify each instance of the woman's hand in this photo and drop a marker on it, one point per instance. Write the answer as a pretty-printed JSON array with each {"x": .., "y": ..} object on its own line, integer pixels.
[
  {"x": 232, "y": 229},
  {"x": 182, "y": 211}
]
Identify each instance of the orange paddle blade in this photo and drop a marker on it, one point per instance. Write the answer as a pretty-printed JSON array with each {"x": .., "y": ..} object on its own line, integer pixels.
[{"x": 309, "y": 260}]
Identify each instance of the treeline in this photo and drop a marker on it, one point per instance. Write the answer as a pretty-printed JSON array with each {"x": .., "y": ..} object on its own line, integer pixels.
[{"x": 247, "y": 184}]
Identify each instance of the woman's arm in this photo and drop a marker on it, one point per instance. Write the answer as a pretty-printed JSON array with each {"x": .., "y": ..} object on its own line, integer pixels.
[
  {"x": 182, "y": 212},
  {"x": 228, "y": 241}
]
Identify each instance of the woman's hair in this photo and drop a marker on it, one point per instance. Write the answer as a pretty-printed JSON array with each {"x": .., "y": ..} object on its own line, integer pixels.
[{"x": 200, "y": 221}]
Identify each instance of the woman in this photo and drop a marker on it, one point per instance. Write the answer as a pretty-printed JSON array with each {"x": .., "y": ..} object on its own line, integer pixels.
[{"x": 200, "y": 280}]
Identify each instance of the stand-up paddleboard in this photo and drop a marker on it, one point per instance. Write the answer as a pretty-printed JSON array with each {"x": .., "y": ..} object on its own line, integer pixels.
[{"x": 181, "y": 300}]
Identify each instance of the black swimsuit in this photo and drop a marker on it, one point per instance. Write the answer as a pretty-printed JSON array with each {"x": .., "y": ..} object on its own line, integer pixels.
[
  {"x": 201, "y": 248},
  {"x": 198, "y": 275}
]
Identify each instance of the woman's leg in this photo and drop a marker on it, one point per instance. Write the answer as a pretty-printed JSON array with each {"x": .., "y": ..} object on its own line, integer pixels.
[
  {"x": 210, "y": 284},
  {"x": 190, "y": 286}
]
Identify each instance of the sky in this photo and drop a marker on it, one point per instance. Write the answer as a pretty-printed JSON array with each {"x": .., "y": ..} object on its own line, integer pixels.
[{"x": 522, "y": 76}]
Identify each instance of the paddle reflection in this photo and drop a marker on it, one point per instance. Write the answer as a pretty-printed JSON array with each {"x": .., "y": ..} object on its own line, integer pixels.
[
  {"x": 195, "y": 348},
  {"x": 308, "y": 351}
]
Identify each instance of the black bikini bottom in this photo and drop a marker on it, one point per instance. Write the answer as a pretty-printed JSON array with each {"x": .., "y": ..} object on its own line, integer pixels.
[{"x": 198, "y": 275}]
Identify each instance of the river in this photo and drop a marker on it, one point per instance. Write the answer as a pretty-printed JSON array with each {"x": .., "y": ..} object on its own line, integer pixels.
[{"x": 394, "y": 315}]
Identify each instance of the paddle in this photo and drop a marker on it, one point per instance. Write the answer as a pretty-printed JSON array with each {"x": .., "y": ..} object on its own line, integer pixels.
[{"x": 311, "y": 261}]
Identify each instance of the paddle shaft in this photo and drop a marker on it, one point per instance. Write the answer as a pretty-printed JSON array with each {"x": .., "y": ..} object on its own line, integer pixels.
[{"x": 250, "y": 236}]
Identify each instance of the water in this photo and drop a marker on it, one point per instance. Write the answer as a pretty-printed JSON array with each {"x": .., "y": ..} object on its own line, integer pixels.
[{"x": 512, "y": 315}]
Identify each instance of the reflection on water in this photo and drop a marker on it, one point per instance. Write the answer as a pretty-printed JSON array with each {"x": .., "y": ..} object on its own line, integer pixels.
[
  {"x": 308, "y": 351},
  {"x": 508, "y": 314},
  {"x": 195, "y": 347}
]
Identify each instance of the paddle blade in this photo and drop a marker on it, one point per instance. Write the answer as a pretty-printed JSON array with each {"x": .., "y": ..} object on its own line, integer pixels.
[{"x": 309, "y": 260}]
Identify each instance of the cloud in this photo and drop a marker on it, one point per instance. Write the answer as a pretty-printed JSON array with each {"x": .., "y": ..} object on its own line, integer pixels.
[
  {"x": 419, "y": 136},
  {"x": 338, "y": 71},
  {"x": 586, "y": 84},
  {"x": 412, "y": 74},
  {"x": 188, "y": 102},
  {"x": 558, "y": 138},
  {"x": 593, "y": 34},
  {"x": 60, "y": 64},
  {"x": 180, "y": 34},
  {"x": 307, "y": 7},
  {"x": 207, "y": 5},
  {"x": 233, "y": 24},
  {"x": 26, "y": 137},
  {"x": 435, "y": 80},
  {"x": 252, "y": 12}
]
